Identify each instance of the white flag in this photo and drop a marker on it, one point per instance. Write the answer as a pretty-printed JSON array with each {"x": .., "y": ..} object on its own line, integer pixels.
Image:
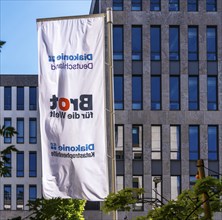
[{"x": 72, "y": 108}]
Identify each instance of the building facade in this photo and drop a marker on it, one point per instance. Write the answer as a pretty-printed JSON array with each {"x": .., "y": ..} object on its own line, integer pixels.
[{"x": 168, "y": 105}]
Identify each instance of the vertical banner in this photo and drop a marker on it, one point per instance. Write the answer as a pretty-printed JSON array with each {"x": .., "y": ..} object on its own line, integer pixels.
[{"x": 72, "y": 107}]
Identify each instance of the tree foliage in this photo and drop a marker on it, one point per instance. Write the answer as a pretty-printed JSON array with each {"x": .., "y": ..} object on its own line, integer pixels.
[
  {"x": 57, "y": 209},
  {"x": 4, "y": 160},
  {"x": 187, "y": 206}
]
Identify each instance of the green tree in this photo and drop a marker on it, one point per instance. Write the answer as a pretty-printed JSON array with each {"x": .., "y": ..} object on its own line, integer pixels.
[
  {"x": 57, "y": 209},
  {"x": 4, "y": 160},
  {"x": 188, "y": 205}
]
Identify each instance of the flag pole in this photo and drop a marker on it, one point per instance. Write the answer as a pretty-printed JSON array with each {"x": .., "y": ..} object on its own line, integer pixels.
[{"x": 109, "y": 20}]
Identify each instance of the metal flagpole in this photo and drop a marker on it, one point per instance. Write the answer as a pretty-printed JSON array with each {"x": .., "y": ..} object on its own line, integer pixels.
[{"x": 109, "y": 20}]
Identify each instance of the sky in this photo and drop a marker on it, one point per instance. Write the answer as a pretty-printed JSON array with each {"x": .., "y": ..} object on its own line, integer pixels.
[{"x": 18, "y": 28}]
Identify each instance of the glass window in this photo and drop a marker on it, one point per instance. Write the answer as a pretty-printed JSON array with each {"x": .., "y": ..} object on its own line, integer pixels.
[
  {"x": 136, "y": 5},
  {"x": 7, "y": 98},
  {"x": 20, "y": 197},
  {"x": 174, "y": 45},
  {"x": 7, "y": 197},
  {"x": 20, "y": 164},
  {"x": 7, "y": 123},
  {"x": 211, "y": 5},
  {"x": 136, "y": 43},
  {"x": 32, "y": 131},
  {"x": 192, "y": 5},
  {"x": 192, "y": 181},
  {"x": 117, "y": 5},
  {"x": 156, "y": 142},
  {"x": 212, "y": 93},
  {"x": 32, "y": 164},
  {"x": 212, "y": 142},
  {"x": 155, "y": 43},
  {"x": 157, "y": 190},
  {"x": 155, "y": 5},
  {"x": 174, "y": 5},
  {"x": 119, "y": 136},
  {"x": 211, "y": 43},
  {"x": 194, "y": 142},
  {"x": 32, "y": 192},
  {"x": 8, "y": 164},
  {"x": 118, "y": 42},
  {"x": 174, "y": 92},
  {"x": 193, "y": 44},
  {"x": 20, "y": 130},
  {"x": 193, "y": 92},
  {"x": 137, "y": 142},
  {"x": 119, "y": 183},
  {"x": 155, "y": 92},
  {"x": 138, "y": 183},
  {"x": 137, "y": 90},
  {"x": 175, "y": 187},
  {"x": 175, "y": 142},
  {"x": 32, "y": 98},
  {"x": 20, "y": 98},
  {"x": 118, "y": 92}
]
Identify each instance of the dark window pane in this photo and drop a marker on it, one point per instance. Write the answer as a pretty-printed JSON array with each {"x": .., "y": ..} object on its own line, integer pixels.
[
  {"x": 174, "y": 93},
  {"x": 137, "y": 92},
  {"x": 155, "y": 43},
  {"x": 118, "y": 92},
  {"x": 212, "y": 143},
  {"x": 32, "y": 98},
  {"x": 155, "y": 5},
  {"x": 193, "y": 93},
  {"x": 32, "y": 192},
  {"x": 174, "y": 43},
  {"x": 20, "y": 98},
  {"x": 20, "y": 130},
  {"x": 136, "y": 5},
  {"x": 155, "y": 92},
  {"x": 32, "y": 164},
  {"x": 192, "y": 5},
  {"x": 118, "y": 42},
  {"x": 174, "y": 5},
  {"x": 211, "y": 5},
  {"x": 8, "y": 164},
  {"x": 212, "y": 92},
  {"x": 117, "y": 5},
  {"x": 137, "y": 43},
  {"x": 7, "y": 123},
  {"x": 20, "y": 164},
  {"x": 7, "y": 98},
  {"x": 211, "y": 44},
  {"x": 194, "y": 142},
  {"x": 192, "y": 44},
  {"x": 32, "y": 131}
]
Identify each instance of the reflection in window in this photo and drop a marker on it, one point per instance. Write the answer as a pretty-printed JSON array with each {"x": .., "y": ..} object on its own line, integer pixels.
[
  {"x": 20, "y": 98},
  {"x": 117, "y": 5},
  {"x": 136, "y": 43},
  {"x": 7, "y": 123},
  {"x": 194, "y": 142},
  {"x": 211, "y": 5},
  {"x": 118, "y": 42},
  {"x": 193, "y": 44},
  {"x": 192, "y": 5},
  {"x": 20, "y": 164},
  {"x": 32, "y": 98},
  {"x": 7, "y": 197},
  {"x": 155, "y": 43},
  {"x": 212, "y": 93},
  {"x": 155, "y": 5},
  {"x": 156, "y": 142},
  {"x": 7, "y": 98},
  {"x": 174, "y": 44},
  {"x": 119, "y": 183},
  {"x": 20, "y": 197},
  {"x": 175, "y": 142},
  {"x": 137, "y": 142},
  {"x": 119, "y": 136},
  {"x": 137, "y": 96},
  {"x": 175, "y": 187},
  {"x": 155, "y": 92},
  {"x": 157, "y": 190},
  {"x": 118, "y": 92},
  {"x": 174, "y": 5},
  {"x": 136, "y": 5},
  {"x": 32, "y": 192},
  {"x": 8, "y": 164},
  {"x": 211, "y": 43},
  {"x": 193, "y": 87},
  {"x": 174, "y": 92},
  {"x": 32, "y": 164},
  {"x": 20, "y": 130},
  {"x": 138, "y": 183},
  {"x": 32, "y": 131},
  {"x": 212, "y": 143}
]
